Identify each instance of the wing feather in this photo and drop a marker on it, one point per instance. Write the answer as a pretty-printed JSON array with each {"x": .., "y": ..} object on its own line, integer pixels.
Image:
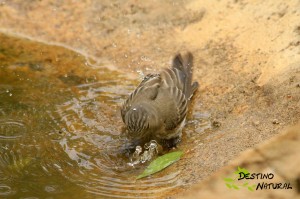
[{"x": 147, "y": 90}]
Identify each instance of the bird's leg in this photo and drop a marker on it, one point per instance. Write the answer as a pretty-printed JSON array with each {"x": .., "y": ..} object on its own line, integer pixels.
[
  {"x": 171, "y": 143},
  {"x": 151, "y": 149}
]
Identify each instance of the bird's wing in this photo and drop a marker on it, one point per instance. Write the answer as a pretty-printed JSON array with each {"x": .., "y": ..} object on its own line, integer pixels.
[
  {"x": 171, "y": 92},
  {"x": 146, "y": 91},
  {"x": 184, "y": 66},
  {"x": 179, "y": 109}
]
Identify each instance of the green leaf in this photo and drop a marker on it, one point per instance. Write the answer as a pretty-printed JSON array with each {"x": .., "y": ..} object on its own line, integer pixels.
[
  {"x": 241, "y": 170},
  {"x": 228, "y": 185},
  {"x": 245, "y": 184},
  {"x": 160, "y": 163},
  {"x": 251, "y": 188},
  {"x": 228, "y": 179},
  {"x": 235, "y": 187}
]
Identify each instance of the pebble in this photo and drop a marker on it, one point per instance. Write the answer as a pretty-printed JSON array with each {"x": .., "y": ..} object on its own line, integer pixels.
[
  {"x": 275, "y": 121},
  {"x": 216, "y": 123},
  {"x": 256, "y": 123}
]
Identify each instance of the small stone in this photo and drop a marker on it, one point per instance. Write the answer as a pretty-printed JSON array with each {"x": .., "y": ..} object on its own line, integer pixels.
[
  {"x": 256, "y": 123},
  {"x": 275, "y": 121},
  {"x": 216, "y": 124}
]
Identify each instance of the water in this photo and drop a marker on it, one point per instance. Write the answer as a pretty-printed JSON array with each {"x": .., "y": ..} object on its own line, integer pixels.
[{"x": 60, "y": 127}]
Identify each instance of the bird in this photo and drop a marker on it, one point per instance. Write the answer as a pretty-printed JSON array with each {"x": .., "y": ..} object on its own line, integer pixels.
[{"x": 157, "y": 108}]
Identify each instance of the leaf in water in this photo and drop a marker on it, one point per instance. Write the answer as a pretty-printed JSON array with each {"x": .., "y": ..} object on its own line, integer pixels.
[{"x": 160, "y": 163}]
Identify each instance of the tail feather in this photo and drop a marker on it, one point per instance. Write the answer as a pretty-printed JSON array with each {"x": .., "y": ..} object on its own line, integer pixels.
[{"x": 185, "y": 65}]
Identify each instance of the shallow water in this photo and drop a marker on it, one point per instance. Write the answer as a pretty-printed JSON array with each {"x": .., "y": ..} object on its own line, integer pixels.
[{"x": 60, "y": 127}]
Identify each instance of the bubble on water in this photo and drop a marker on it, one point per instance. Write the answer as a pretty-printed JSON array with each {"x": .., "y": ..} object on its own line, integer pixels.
[{"x": 49, "y": 189}]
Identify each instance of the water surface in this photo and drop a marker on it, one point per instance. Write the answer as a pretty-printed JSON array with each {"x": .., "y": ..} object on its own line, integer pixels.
[{"x": 60, "y": 127}]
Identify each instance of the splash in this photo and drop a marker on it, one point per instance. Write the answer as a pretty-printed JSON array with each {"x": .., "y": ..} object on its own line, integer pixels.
[{"x": 140, "y": 157}]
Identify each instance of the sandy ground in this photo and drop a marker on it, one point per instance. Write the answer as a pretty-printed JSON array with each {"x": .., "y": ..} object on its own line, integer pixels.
[
  {"x": 247, "y": 58},
  {"x": 271, "y": 158}
]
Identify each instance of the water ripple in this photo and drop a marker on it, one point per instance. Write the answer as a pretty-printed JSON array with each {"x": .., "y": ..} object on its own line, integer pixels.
[
  {"x": 92, "y": 142},
  {"x": 10, "y": 129},
  {"x": 5, "y": 190},
  {"x": 60, "y": 129}
]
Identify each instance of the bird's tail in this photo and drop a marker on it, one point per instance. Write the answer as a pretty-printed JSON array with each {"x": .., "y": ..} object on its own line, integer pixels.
[{"x": 184, "y": 64}]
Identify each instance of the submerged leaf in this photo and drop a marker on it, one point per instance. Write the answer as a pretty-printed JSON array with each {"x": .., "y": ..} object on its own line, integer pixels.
[{"x": 160, "y": 163}]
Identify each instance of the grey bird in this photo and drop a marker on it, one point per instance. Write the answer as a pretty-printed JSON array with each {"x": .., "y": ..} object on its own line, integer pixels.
[{"x": 157, "y": 108}]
